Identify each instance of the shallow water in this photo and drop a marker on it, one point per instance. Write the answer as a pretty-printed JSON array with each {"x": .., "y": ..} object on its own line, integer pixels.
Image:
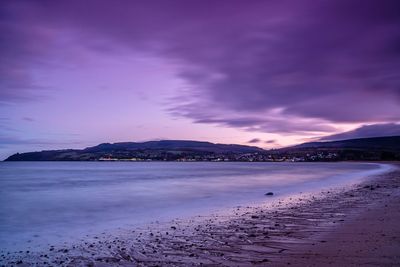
[{"x": 45, "y": 203}]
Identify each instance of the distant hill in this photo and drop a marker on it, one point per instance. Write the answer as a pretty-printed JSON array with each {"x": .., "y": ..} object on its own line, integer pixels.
[
  {"x": 155, "y": 150},
  {"x": 177, "y": 145},
  {"x": 372, "y": 149},
  {"x": 388, "y": 143}
]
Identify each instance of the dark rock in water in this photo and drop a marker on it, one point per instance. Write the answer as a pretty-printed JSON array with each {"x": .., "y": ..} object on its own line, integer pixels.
[{"x": 269, "y": 194}]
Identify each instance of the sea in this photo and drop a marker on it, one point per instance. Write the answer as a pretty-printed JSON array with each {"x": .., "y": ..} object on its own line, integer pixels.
[{"x": 43, "y": 203}]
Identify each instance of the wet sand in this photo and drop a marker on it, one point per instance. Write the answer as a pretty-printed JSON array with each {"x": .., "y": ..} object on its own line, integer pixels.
[
  {"x": 370, "y": 239},
  {"x": 351, "y": 226},
  {"x": 369, "y": 236}
]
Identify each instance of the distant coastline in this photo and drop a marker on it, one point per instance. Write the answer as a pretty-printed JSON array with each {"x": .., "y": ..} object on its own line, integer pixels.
[{"x": 363, "y": 149}]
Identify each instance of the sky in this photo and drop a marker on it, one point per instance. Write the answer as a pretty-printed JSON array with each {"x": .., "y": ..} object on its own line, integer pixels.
[{"x": 267, "y": 73}]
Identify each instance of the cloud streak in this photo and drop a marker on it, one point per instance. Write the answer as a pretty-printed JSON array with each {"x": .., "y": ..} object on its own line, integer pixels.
[
  {"x": 6, "y": 141},
  {"x": 254, "y": 141}
]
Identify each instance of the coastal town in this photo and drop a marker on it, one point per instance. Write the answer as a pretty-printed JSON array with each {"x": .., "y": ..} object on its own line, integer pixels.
[{"x": 247, "y": 157}]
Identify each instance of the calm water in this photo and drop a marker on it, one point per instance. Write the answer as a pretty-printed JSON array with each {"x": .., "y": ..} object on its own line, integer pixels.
[{"x": 53, "y": 202}]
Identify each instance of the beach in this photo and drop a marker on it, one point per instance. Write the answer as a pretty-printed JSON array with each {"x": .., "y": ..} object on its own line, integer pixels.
[
  {"x": 199, "y": 133},
  {"x": 349, "y": 226}
]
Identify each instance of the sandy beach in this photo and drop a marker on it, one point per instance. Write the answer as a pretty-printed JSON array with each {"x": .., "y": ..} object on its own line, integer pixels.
[{"x": 352, "y": 226}]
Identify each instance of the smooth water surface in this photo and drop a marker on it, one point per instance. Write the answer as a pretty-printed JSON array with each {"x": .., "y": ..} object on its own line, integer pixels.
[{"x": 51, "y": 202}]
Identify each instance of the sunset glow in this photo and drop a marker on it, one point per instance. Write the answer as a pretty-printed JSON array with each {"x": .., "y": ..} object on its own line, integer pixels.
[{"x": 275, "y": 72}]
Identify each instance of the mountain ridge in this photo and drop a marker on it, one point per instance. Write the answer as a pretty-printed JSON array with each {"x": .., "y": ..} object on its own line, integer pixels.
[
  {"x": 386, "y": 142},
  {"x": 157, "y": 150},
  {"x": 371, "y": 148}
]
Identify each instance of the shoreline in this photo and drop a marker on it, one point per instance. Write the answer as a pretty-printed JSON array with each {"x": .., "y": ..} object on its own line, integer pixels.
[{"x": 285, "y": 234}]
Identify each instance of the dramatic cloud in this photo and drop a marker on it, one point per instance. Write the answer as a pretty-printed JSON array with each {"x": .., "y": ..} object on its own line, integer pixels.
[
  {"x": 374, "y": 130},
  {"x": 270, "y": 66}
]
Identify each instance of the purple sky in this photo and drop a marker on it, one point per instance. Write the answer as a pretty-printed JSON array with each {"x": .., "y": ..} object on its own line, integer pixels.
[{"x": 268, "y": 73}]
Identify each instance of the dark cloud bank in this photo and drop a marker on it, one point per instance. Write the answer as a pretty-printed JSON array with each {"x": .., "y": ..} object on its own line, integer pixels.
[{"x": 271, "y": 66}]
